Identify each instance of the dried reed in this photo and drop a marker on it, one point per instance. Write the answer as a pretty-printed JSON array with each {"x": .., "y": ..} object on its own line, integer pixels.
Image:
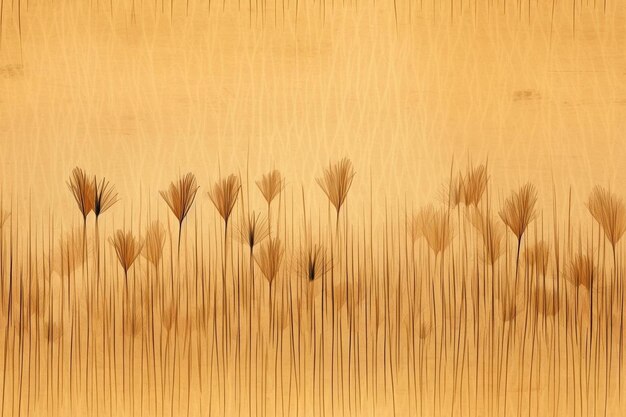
[
  {"x": 180, "y": 197},
  {"x": 435, "y": 228},
  {"x": 336, "y": 183},
  {"x": 154, "y": 244},
  {"x": 313, "y": 262},
  {"x": 609, "y": 211},
  {"x": 269, "y": 258},
  {"x": 474, "y": 185},
  {"x": 127, "y": 248},
  {"x": 517, "y": 213},
  {"x": 83, "y": 191}
]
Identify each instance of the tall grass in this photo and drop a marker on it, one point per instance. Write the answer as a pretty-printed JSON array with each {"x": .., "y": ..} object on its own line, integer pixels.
[{"x": 429, "y": 313}]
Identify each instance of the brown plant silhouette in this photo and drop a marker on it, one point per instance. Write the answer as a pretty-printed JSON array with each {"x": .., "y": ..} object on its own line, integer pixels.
[
  {"x": 453, "y": 192},
  {"x": 336, "y": 183},
  {"x": 580, "y": 271},
  {"x": 83, "y": 191},
  {"x": 127, "y": 248},
  {"x": 105, "y": 196},
  {"x": 270, "y": 185},
  {"x": 253, "y": 230},
  {"x": 609, "y": 211},
  {"x": 435, "y": 228},
  {"x": 474, "y": 185},
  {"x": 517, "y": 213},
  {"x": 179, "y": 197},
  {"x": 224, "y": 194},
  {"x": 313, "y": 262},
  {"x": 269, "y": 258},
  {"x": 491, "y": 234},
  {"x": 519, "y": 210},
  {"x": 155, "y": 241}
]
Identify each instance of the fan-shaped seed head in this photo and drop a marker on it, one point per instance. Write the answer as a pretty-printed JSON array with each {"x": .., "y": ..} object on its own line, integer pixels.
[
  {"x": 83, "y": 191},
  {"x": 519, "y": 209},
  {"x": 180, "y": 195},
  {"x": 270, "y": 185},
  {"x": 224, "y": 194},
  {"x": 336, "y": 182}
]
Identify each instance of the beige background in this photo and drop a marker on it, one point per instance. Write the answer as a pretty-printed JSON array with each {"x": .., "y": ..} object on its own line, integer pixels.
[
  {"x": 140, "y": 93},
  {"x": 140, "y": 97}
]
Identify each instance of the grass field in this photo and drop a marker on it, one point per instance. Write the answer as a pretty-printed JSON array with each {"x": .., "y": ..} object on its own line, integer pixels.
[
  {"x": 464, "y": 259},
  {"x": 458, "y": 307}
]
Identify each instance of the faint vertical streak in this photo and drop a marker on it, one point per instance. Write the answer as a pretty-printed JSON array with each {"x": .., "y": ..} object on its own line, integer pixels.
[
  {"x": 552, "y": 22},
  {"x": 574, "y": 18},
  {"x": 1, "y": 17},
  {"x": 451, "y": 10},
  {"x": 19, "y": 26},
  {"x": 395, "y": 12}
]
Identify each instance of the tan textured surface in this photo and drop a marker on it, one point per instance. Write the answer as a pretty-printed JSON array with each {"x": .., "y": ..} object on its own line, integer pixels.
[{"x": 141, "y": 97}]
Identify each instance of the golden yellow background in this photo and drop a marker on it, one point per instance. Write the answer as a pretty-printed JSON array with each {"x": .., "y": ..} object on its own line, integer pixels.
[
  {"x": 141, "y": 96},
  {"x": 141, "y": 91}
]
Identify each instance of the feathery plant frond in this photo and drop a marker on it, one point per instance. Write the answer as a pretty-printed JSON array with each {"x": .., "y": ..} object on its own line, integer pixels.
[
  {"x": 517, "y": 213},
  {"x": 313, "y": 262},
  {"x": 491, "y": 233},
  {"x": 154, "y": 244},
  {"x": 336, "y": 183},
  {"x": 180, "y": 196},
  {"x": 580, "y": 271},
  {"x": 453, "y": 192},
  {"x": 419, "y": 222},
  {"x": 253, "y": 230},
  {"x": 519, "y": 210},
  {"x": 224, "y": 194},
  {"x": 127, "y": 248},
  {"x": 269, "y": 258},
  {"x": 436, "y": 228},
  {"x": 83, "y": 191},
  {"x": 468, "y": 189},
  {"x": 270, "y": 185},
  {"x": 105, "y": 196},
  {"x": 474, "y": 185},
  {"x": 609, "y": 211}
]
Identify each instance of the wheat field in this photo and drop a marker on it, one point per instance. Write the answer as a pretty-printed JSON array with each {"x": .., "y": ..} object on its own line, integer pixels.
[{"x": 312, "y": 208}]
